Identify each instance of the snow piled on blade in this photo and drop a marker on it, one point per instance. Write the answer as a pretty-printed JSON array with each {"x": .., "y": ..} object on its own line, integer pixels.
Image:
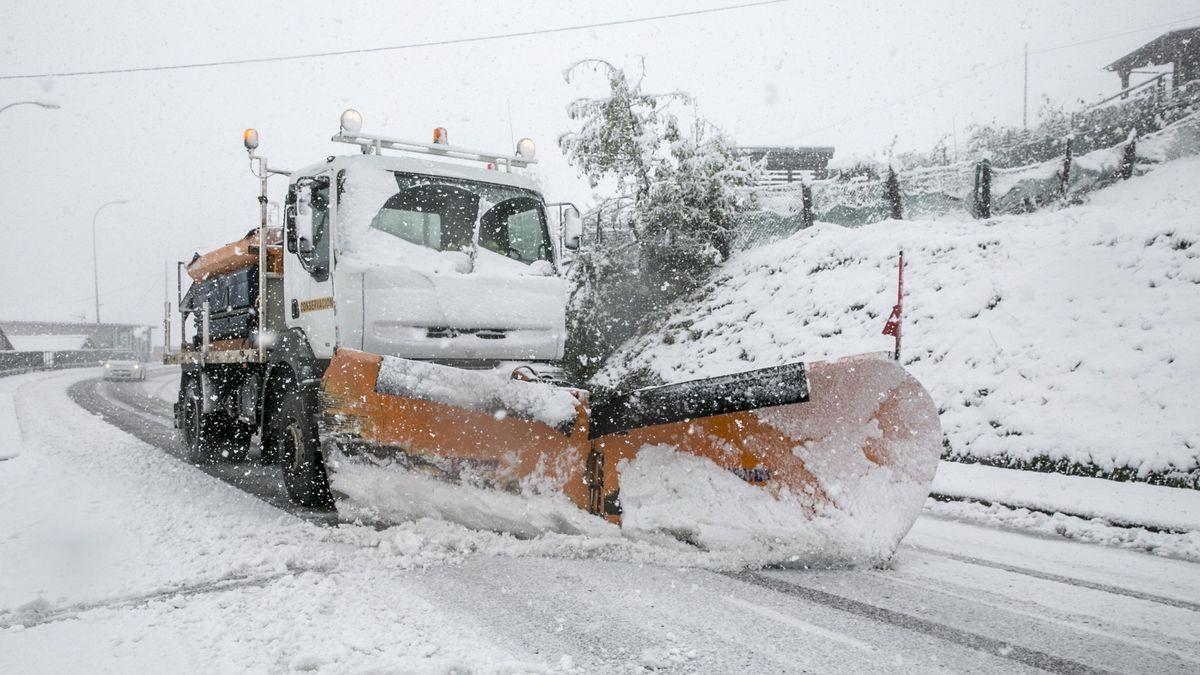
[
  {"x": 693, "y": 499},
  {"x": 390, "y": 493},
  {"x": 482, "y": 391},
  {"x": 865, "y": 451}
]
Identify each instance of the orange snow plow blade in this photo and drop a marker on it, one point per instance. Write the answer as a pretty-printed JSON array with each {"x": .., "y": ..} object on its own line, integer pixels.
[{"x": 810, "y": 454}]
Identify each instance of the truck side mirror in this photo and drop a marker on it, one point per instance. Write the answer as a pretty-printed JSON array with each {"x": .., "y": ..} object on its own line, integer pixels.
[
  {"x": 302, "y": 222},
  {"x": 567, "y": 221},
  {"x": 572, "y": 227}
]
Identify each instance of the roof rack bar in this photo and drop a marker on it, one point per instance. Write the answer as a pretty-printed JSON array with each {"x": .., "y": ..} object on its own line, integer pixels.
[{"x": 377, "y": 143}]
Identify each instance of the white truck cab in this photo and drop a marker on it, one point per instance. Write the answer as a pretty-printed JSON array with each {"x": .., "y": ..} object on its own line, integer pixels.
[{"x": 445, "y": 254}]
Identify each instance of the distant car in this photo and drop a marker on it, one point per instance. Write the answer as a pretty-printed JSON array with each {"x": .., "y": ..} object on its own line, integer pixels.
[{"x": 124, "y": 367}]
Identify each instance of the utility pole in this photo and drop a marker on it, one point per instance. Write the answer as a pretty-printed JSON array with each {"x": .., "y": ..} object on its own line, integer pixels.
[
  {"x": 1025, "y": 97},
  {"x": 95, "y": 257}
]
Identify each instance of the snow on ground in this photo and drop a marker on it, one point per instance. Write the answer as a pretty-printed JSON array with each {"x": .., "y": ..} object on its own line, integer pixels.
[
  {"x": 10, "y": 429},
  {"x": 117, "y": 557},
  {"x": 1153, "y": 506},
  {"x": 1066, "y": 334},
  {"x": 162, "y": 388},
  {"x": 92, "y": 521},
  {"x": 1096, "y": 530}
]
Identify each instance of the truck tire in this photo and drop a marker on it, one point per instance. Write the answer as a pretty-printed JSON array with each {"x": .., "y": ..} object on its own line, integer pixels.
[
  {"x": 298, "y": 451},
  {"x": 213, "y": 436},
  {"x": 202, "y": 432}
]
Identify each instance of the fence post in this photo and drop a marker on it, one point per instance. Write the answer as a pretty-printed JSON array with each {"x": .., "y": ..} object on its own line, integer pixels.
[
  {"x": 1065, "y": 175},
  {"x": 891, "y": 193},
  {"x": 806, "y": 213},
  {"x": 1129, "y": 156},
  {"x": 983, "y": 189}
]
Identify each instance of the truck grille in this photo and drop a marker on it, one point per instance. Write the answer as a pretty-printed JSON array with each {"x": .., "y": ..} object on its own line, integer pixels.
[{"x": 481, "y": 333}]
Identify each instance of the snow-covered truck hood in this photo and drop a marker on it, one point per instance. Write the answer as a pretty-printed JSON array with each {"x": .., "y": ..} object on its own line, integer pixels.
[
  {"x": 425, "y": 304},
  {"x": 449, "y": 315},
  {"x": 397, "y": 298}
]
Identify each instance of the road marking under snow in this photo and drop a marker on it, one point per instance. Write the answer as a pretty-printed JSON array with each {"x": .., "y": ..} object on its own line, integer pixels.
[
  {"x": 1073, "y": 581},
  {"x": 982, "y": 643},
  {"x": 793, "y": 622}
]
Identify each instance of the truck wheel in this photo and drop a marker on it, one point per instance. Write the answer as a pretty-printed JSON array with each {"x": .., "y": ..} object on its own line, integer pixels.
[
  {"x": 202, "y": 432},
  {"x": 299, "y": 454}
]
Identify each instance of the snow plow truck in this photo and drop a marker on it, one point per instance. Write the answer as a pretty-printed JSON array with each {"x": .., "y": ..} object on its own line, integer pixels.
[{"x": 405, "y": 320}]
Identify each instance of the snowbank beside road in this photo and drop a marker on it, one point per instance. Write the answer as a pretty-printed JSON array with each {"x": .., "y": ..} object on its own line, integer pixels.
[
  {"x": 1060, "y": 338},
  {"x": 10, "y": 428},
  {"x": 1138, "y": 504}
]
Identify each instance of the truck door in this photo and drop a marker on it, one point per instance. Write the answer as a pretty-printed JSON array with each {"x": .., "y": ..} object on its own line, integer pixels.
[{"x": 308, "y": 263}]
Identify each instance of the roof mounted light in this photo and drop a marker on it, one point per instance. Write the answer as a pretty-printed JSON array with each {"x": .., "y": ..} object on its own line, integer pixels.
[
  {"x": 526, "y": 148},
  {"x": 441, "y": 136},
  {"x": 351, "y": 121},
  {"x": 250, "y": 139}
]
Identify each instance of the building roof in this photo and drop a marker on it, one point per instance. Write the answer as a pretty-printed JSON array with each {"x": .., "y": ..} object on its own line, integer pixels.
[
  {"x": 793, "y": 157},
  {"x": 5, "y": 345},
  {"x": 1166, "y": 48},
  {"x": 49, "y": 343}
]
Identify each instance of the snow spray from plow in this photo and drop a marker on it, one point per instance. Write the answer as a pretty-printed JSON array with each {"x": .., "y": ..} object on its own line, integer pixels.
[{"x": 828, "y": 460}]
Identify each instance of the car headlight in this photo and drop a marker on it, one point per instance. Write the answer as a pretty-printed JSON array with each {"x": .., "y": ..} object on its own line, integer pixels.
[
  {"x": 108, "y": 365},
  {"x": 136, "y": 366}
]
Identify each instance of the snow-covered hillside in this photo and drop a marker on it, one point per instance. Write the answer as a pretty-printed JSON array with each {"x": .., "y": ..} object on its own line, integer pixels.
[{"x": 1058, "y": 339}]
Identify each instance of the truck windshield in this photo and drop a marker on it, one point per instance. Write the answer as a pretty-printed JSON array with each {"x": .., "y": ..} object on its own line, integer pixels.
[{"x": 443, "y": 213}]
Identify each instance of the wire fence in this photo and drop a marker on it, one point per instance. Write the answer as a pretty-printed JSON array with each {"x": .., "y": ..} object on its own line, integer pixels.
[{"x": 972, "y": 187}]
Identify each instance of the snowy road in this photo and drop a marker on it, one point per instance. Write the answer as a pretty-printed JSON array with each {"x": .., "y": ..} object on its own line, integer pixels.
[{"x": 112, "y": 545}]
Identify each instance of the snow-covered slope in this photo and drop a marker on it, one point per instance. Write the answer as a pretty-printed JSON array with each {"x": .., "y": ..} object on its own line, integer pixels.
[{"x": 1068, "y": 336}]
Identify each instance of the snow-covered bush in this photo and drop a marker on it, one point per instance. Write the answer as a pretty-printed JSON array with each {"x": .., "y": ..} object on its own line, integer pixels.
[{"x": 676, "y": 189}]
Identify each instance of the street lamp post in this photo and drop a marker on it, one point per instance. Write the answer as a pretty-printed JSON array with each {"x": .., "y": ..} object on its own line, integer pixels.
[
  {"x": 95, "y": 258},
  {"x": 40, "y": 104}
]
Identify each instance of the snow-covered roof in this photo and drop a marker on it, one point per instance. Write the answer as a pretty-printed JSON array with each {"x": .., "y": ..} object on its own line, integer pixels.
[{"x": 49, "y": 343}]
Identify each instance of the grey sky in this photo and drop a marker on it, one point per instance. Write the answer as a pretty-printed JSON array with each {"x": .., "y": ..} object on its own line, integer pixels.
[{"x": 170, "y": 141}]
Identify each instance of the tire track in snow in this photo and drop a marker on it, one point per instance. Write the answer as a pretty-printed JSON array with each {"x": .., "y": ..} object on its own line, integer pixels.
[
  {"x": 39, "y": 612},
  {"x": 1072, "y": 581},
  {"x": 981, "y": 643},
  {"x": 128, "y": 409}
]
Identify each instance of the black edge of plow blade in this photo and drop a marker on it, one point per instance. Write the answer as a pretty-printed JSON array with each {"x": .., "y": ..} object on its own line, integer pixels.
[{"x": 751, "y": 390}]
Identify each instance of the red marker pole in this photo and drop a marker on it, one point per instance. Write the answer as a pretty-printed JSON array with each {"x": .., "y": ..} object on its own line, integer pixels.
[
  {"x": 899, "y": 301},
  {"x": 892, "y": 327}
]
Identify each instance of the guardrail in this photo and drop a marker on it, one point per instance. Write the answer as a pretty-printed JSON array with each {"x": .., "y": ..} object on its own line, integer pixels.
[{"x": 14, "y": 362}]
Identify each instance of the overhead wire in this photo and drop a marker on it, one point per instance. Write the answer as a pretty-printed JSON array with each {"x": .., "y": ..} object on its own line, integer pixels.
[{"x": 411, "y": 45}]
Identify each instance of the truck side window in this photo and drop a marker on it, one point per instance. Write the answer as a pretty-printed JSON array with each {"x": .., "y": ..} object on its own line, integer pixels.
[
  {"x": 516, "y": 228},
  {"x": 317, "y": 260}
]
